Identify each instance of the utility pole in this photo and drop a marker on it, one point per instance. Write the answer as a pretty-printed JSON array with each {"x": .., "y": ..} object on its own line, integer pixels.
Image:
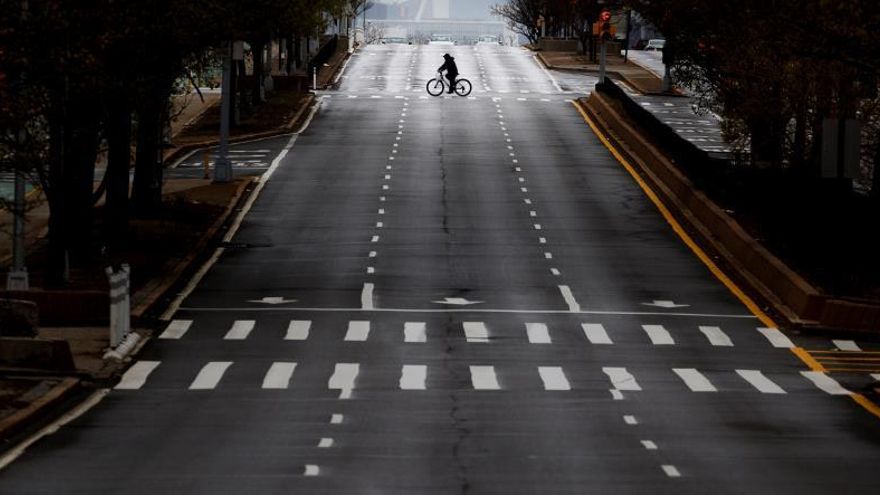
[{"x": 222, "y": 164}]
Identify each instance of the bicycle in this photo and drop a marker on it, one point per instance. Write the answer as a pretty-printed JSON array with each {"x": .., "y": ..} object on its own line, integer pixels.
[{"x": 437, "y": 86}]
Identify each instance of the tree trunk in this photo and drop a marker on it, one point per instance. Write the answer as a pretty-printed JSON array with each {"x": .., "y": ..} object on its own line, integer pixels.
[
  {"x": 79, "y": 171},
  {"x": 767, "y": 140},
  {"x": 258, "y": 95},
  {"x": 116, "y": 210},
  {"x": 146, "y": 195}
]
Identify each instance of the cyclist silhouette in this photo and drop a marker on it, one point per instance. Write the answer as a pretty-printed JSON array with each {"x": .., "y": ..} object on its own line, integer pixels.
[{"x": 451, "y": 71}]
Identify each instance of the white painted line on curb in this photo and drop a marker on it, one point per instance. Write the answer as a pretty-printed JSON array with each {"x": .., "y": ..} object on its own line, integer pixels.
[
  {"x": 279, "y": 375},
  {"x": 137, "y": 375}
]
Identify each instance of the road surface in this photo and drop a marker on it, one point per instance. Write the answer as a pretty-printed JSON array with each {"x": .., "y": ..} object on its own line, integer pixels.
[{"x": 459, "y": 295}]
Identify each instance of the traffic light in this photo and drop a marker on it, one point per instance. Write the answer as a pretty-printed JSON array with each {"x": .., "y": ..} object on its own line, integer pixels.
[{"x": 605, "y": 22}]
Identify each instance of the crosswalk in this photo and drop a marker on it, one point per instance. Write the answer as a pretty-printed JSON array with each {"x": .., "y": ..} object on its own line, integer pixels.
[
  {"x": 344, "y": 378},
  {"x": 480, "y": 332},
  {"x": 240, "y": 158}
]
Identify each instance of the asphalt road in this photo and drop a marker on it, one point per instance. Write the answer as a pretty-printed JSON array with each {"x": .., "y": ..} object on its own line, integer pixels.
[{"x": 460, "y": 295}]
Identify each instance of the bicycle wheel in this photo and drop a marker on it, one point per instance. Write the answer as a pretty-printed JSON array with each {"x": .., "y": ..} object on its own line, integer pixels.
[
  {"x": 463, "y": 87},
  {"x": 435, "y": 87}
]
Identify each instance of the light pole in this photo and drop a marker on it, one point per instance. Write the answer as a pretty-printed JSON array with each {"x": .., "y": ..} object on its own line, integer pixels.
[{"x": 222, "y": 164}]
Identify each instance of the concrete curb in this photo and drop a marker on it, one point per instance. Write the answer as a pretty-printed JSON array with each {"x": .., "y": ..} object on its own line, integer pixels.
[
  {"x": 16, "y": 423},
  {"x": 765, "y": 274}
]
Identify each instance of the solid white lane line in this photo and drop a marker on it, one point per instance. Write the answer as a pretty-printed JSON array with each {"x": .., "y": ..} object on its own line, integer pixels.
[
  {"x": 279, "y": 375},
  {"x": 671, "y": 471},
  {"x": 367, "y": 296},
  {"x": 414, "y": 332},
  {"x": 210, "y": 375},
  {"x": 658, "y": 335},
  {"x": 649, "y": 445},
  {"x": 554, "y": 378},
  {"x": 573, "y": 305},
  {"x": 336, "y": 419},
  {"x": 325, "y": 443},
  {"x": 137, "y": 375},
  {"x": 298, "y": 330},
  {"x": 413, "y": 376},
  {"x": 343, "y": 378},
  {"x": 483, "y": 378},
  {"x": 358, "y": 331},
  {"x": 630, "y": 420},
  {"x": 846, "y": 345},
  {"x": 240, "y": 330},
  {"x": 776, "y": 338},
  {"x": 760, "y": 382},
  {"x": 716, "y": 336},
  {"x": 825, "y": 383},
  {"x": 176, "y": 329},
  {"x": 312, "y": 470},
  {"x": 695, "y": 380},
  {"x": 476, "y": 332},
  {"x": 596, "y": 333},
  {"x": 622, "y": 379},
  {"x": 538, "y": 333}
]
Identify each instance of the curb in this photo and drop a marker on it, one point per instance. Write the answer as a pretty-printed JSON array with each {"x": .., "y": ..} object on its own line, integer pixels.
[
  {"x": 613, "y": 74},
  {"x": 19, "y": 421}
]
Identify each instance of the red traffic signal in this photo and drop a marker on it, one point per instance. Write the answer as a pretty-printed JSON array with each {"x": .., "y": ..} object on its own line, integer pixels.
[{"x": 605, "y": 16}]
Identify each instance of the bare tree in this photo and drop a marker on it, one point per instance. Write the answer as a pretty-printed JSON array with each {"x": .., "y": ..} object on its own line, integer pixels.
[{"x": 522, "y": 17}]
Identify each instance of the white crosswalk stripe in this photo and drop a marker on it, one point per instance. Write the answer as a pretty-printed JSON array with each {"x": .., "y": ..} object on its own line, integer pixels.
[
  {"x": 210, "y": 375},
  {"x": 298, "y": 330},
  {"x": 716, "y": 336},
  {"x": 621, "y": 379},
  {"x": 538, "y": 333},
  {"x": 484, "y": 378},
  {"x": 279, "y": 375},
  {"x": 476, "y": 332},
  {"x": 415, "y": 332},
  {"x": 343, "y": 379},
  {"x": 358, "y": 331},
  {"x": 776, "y": 338},
  {"x": 596, "y": 333},
  {"x": 825, "y": 383},
  {"x": 176, "y": 329},
  {"x": 760, "y": 382},
  {"x": 846, "y": 345},
  {"x": 413, "y": 377},
  {"x": 136, "y": 376},
  {"x": 554, "y": 378},
  {"x": 695, "y": 380},
  {"x": 658, "y": 335},
  {"x": 240, "y": 330}
]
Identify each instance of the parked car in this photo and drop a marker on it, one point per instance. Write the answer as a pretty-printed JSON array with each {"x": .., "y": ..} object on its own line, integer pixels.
[
  {"x": 488, "y": 40},
  {"x": 655, "y": 45}
]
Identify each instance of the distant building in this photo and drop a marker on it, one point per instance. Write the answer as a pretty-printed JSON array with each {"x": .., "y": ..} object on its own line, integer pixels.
[{"x": 465, "y": 21}]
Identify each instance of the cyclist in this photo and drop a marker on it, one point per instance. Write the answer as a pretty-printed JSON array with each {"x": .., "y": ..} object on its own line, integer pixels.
[{"x": 451, "y": 71}]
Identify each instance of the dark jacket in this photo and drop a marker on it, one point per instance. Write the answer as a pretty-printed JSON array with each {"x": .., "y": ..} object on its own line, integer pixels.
[{"x": 449, "y": 66}]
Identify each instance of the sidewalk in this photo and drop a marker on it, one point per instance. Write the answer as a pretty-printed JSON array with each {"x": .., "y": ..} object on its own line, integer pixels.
[{"x": 638, "y": 77}]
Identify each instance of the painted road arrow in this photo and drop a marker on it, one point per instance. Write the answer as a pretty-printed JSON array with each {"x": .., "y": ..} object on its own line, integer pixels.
[
  {"x": 457, "y": 301},
  {"x": 665, "y": 304},
  {"x": 273, "y": 300}
]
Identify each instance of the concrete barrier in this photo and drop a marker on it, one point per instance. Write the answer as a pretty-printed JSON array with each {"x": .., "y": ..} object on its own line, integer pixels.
[
  {"x": 764, "y": 273},
  {"x": 19, "y": 318}
]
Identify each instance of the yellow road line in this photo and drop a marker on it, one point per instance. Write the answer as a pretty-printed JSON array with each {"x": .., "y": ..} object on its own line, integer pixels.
[
  {"x": 868, "y": 353},
  {"x": 686, "y": 238},
  {"x": 847, "y": 360},
  {"x": 749, "y": 303},
  {"x": 852, "y": 370}
]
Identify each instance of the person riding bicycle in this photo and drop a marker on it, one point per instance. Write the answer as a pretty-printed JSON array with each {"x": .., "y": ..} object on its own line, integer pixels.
[{"x": 451, "y": 71}]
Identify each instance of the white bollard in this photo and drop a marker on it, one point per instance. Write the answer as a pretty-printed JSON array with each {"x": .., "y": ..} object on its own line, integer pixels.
[{"x": 120, "y": 309}]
